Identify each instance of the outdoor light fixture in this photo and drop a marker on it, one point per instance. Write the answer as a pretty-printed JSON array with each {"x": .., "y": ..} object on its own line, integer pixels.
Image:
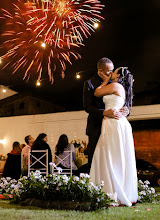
[
  {"x": 38, "y": 83},
  {"x": 78, "y": 76},
  {"x": 96, "y": 25},
  {"x": 43, "y": 45},
  {"x": 3, "y": 141},
  {"x": 4, "y": 90}
]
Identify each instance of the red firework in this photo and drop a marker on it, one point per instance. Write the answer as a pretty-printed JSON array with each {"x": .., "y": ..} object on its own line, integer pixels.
[{"x": 46, "y": 33}]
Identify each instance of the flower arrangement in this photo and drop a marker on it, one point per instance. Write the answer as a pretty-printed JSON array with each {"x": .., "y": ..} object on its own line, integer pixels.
[
  {"x": 77, "y": 143},
  {"x": 145, "y": 192},
  {"x": 56, "y": 188}
]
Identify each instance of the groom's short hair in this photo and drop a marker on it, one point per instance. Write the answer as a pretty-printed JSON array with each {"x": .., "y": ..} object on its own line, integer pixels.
[{"x": 102, "y": 63}]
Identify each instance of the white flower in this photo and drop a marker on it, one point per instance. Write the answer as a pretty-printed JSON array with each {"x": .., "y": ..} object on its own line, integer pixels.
[
  {"x": 5, "y": 182},
  {"x": 53, "y": 165},
  {"x": 12, "y": 186},
  {"x": 115, "y": 197},
  {"x": 59, "y": 184},
  {"x": 147, "y": 182},
  {"x": 140, "y": 181},
  {"x": 65, "y": 177},
  {"x": 59, "y": 169},
  {"x": 142, "y": 193},
  {"x": 87, "y": 176},
  {"x": 76, "y": 178},
  {"x": 102, "y": 183},
  {"x": 81, "y": 181},
  {"x": 152, "y": 190},
  {"x": 82, "y": 175},
  {"x": 96, "y": 188},
  {"x": 91, "y": 184}
]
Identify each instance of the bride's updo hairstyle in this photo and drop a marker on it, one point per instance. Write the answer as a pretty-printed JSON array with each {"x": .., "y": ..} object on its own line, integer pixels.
[{"x": 126, "y": 79}]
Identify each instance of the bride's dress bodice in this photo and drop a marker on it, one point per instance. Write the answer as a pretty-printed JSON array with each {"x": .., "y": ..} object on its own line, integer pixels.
[{"x": 113, "y": 101}]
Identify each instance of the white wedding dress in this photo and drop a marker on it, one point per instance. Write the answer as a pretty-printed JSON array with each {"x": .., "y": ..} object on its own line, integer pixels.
[{"x": 114, "y": 158}]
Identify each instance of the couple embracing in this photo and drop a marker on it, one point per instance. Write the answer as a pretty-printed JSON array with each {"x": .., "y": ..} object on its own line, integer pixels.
[{"x": 108, "y": 99}]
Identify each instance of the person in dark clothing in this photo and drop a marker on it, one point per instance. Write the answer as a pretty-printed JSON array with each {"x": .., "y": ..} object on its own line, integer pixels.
[
  {"x": 12, "y": 166},
  {"x": 41, "y": 144},
  {"x": 96, "y": 108}
]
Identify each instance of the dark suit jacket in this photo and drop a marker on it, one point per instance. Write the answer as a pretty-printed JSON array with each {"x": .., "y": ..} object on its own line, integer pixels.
[
  {"x": 12, "y": 167},
  {"x": 93, "y": 105}
]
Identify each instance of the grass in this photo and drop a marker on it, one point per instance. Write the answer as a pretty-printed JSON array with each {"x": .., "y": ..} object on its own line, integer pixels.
[
  {"x": 10, "y": 211},
  {"x": 138, "y": 212}
]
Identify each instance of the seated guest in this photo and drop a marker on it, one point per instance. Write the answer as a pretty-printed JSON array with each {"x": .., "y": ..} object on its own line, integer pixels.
[
  {"x": 29, "y": 141},
  {"x": 41, "y": 144},
  {"x": 61, "y": 147},
  {"x": 83, "y": 149},
  {"x": 22, "y": 146},
  {"x": 12, "y": 167}
]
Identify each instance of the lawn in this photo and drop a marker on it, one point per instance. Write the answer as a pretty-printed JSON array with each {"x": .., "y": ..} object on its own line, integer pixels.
[{"x": 140, "y": 211}]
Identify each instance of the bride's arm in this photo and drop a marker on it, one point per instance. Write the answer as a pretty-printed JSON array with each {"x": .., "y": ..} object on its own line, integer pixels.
[{"x": 104, "y": 89}]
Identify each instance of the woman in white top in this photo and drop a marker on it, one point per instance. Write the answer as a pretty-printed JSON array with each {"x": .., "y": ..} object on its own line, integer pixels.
[{"x": 61, "y": 151}]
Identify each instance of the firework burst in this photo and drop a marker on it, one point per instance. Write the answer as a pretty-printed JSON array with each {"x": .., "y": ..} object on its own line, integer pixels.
[{"x": 44, "y": 33}]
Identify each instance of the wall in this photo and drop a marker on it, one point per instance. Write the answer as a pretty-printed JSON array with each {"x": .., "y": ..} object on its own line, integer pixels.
[
  {"x": 16, "y": 128},
  {"x": 71, "y": 123},
  {"x": 147, "y": 146}
]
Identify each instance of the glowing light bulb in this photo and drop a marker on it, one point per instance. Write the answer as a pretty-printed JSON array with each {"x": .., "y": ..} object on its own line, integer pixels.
[
  {"x": 3, "y": 141},
  {"x": 0, "y": 60},
  {"x": 43, "y": 45},
  {"x": 96, "y": 25},
  {"x": 133, "y": 80},
  {"x": 4, "y": 90},
  {"x": 78, "y": 76},
  {"x": 38, "y": 83}
]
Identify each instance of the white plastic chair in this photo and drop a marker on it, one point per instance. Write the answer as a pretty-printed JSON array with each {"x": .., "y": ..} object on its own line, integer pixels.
[
  {"x": 37, "y": 160},
  {"x": 65, "y": 170}
]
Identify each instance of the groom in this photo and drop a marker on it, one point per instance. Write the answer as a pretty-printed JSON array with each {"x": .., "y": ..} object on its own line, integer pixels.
[{"x": 95, "y": 106}]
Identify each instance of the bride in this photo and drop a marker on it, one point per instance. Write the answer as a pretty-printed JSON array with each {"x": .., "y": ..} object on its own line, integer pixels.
[{"x": 114, "y": 158}]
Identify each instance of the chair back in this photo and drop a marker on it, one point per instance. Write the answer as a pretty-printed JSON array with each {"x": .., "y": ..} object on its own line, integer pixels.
[
  {"x": 59, "y": 161},
  {"x": 38, "y": 160}
]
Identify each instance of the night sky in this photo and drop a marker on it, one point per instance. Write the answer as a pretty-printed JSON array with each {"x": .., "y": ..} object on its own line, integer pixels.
[{"x": 129, "y": 36}]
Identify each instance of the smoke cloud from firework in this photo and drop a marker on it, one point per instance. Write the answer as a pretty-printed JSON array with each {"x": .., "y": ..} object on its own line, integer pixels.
[{"x": 46, "y": 34}]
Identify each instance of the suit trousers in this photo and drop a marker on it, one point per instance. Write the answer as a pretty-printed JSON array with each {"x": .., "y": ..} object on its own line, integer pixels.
[{"x": 93, "y": 139}]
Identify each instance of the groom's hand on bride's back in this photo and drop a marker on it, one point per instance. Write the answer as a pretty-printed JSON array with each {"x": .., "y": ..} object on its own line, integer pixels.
[{"x": 113, "y": 113}]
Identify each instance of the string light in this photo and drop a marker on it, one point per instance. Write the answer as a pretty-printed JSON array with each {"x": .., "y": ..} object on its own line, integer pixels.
[
  {"x": 38, "y": 83},
  {"x": 78, "y": 76},
  {"x": 43, "y": 45},
  {"x": 4, "y": 90},
  {"x": 96, "y": 25},
  {"x": 3, "y": 141}
]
